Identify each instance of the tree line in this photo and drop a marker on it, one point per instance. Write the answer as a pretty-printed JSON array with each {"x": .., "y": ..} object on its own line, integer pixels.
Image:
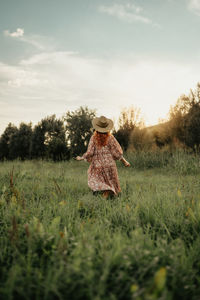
[
  {"x": 63, "y": 138},
  {"x": 182, "y": 129},
  {"x": 52, "y": 138}
]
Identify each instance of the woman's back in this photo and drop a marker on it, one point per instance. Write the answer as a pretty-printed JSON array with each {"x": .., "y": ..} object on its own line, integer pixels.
[
  {"x": 106, "y": 153},
  {"x": 103, "y": 150}
]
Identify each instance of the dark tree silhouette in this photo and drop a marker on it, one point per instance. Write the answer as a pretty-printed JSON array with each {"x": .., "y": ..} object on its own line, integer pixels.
[
  {"x": 129, "y": 120},
  {"x": 79, "y": 129},
  {"x": 185, "y": 119},
  {"x": 20, "y": 142},
  {"x": 5, "y": 141},
  {"x": 49, "y": 139}
]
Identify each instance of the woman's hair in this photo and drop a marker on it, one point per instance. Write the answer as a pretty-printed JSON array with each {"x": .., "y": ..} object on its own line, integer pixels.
[{"x": 101, "y": 138}]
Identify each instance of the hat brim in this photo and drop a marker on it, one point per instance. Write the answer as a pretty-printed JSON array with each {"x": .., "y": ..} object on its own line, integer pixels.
[{"x": 101, "y": 129}]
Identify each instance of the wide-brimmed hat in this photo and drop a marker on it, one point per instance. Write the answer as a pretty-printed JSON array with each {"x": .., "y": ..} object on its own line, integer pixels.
[{"x": 102, "y": 124}]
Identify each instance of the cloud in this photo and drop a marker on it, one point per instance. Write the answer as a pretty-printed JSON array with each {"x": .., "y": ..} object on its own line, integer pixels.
[
  {"x": 33, "y": 40},
  {"x": 194, "y": 6},
  {"x": 54, "y": 82},
  {"x": 18, "y": 33},
  {"x": 126, "y": 12}
]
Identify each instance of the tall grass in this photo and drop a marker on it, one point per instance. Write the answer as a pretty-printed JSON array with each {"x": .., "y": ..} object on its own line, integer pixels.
[
  {"x": 180, "y": 161},
  {"x": 57, "y": 241}
]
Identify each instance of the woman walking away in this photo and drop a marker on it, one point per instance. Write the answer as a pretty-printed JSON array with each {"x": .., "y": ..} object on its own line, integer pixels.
[{"x": 103, "y": 150}]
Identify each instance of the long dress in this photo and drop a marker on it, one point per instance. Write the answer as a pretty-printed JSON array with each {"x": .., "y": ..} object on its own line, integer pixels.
[{"x": 102, "y": 172}]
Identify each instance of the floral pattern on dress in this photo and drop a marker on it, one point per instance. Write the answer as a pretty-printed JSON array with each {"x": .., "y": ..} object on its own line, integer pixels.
[{"x": 102, "y": 173}]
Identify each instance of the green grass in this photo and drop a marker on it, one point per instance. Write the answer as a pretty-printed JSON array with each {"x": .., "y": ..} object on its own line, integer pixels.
[{"x": 58, "y": 241}]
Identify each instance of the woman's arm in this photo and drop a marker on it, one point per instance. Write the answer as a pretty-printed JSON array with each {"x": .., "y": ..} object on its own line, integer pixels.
[
  {"x": 115, "y": 148},
  {"x": 89, "y": 153},
  {"x": 117, "y": 152},
  {"x": 125, "y": 162},
  {"x": 79, "y": 158}
]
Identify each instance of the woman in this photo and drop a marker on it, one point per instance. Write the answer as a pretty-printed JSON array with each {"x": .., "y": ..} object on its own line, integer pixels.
[{"x": 103, "y": 150}]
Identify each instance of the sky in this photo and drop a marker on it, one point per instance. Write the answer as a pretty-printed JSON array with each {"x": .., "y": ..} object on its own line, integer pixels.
[{"x": 56, "y": 56}]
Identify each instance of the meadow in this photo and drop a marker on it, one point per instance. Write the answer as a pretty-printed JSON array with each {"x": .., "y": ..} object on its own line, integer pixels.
[{"x": 58, "y": 241}]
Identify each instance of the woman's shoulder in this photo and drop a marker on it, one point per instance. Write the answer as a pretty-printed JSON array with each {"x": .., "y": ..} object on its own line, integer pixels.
[
  {"x": 92, "y": 136},
  {"x": 111, "y": 137}
]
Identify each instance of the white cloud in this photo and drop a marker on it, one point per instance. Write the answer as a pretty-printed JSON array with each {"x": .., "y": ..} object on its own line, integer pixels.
[
  {"x": 126, "y": 12},
  {"x": 34, "y": 40},
  {"x": 18, "y": 33},
  {"x": 194, "y": 6},
  {"x": 53, "y": 82}
]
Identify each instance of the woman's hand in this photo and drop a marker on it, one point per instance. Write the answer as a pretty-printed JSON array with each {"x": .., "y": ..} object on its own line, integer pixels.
[
  {"x": 79, "y": 158},
  {"x": 127, "y": 164}
]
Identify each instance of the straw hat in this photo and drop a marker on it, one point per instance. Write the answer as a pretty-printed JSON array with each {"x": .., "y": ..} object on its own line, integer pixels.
[{"x": 102, "y": 124}]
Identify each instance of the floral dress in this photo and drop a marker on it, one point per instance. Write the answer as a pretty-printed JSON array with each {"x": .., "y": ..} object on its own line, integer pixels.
[{"x": 102, "y": 173}]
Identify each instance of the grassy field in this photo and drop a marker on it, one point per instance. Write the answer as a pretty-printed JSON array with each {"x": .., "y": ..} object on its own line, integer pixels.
[{"x": 58, "y": 241}]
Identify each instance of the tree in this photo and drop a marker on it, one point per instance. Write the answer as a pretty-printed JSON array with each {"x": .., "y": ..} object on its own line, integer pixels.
[
  {"x": 129, "y": 119},
  {"x": 79, "y": 129},
  {"x": 185, "y": 118},
  {"x": 192, "y": 127},
  {"x": 38, "y": 147},
  {"x": 5, "y": 141},
  {"x": 49, "y": 139},
  {"x": 55, "y": 138},
  {"x": 20, "y": 142},
  {"x": 177, "y": 117}
]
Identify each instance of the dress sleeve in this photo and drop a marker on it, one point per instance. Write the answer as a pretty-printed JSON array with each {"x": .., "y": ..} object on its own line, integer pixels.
[
  {"x": 116, "y": 149},
  {"x": 90, "y": 150}
]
